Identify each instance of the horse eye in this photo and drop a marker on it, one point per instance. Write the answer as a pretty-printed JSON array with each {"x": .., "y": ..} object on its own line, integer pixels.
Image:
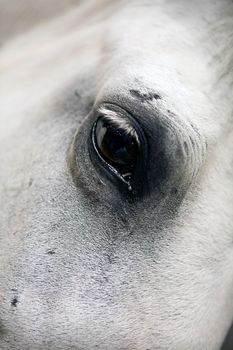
[{"x": 117, "y": 143}]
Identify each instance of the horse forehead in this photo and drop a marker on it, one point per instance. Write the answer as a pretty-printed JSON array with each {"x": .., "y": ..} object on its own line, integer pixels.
[{"x": 140, "y": 47}]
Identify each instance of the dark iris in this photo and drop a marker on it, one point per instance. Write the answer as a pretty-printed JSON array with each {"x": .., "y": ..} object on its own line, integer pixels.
[{"x": 118, "y": 146}]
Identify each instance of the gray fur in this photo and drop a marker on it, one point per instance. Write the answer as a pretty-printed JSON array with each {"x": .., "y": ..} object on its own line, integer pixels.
[{"x": 80, "y": 268}]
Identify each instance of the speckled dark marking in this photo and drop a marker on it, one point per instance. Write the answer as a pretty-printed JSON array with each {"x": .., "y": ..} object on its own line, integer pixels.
[
  {"x": 51, "y": 252},
  {"x": 14, "y": 302},
  {"x": 145, "y": 97},
  {"x": 77, "y": 94},
  {"x": 30, "y": 182},
  {"x": 171, "y": 113}
]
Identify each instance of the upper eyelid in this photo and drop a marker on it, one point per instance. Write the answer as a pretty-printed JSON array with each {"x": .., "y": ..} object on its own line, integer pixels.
[
  {"x": 119, "y": 122},
  {"x": 193, "y": 143}
]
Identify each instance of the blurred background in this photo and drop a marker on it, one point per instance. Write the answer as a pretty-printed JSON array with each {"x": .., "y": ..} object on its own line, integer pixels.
[{"x": 17, "y": 16}]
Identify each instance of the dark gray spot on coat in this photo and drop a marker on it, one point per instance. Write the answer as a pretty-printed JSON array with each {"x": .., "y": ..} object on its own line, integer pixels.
[
  {"x": 77, "y": 94},
  {"x": 186, "y": 147},
  {"x": 30, "y": 182},
  {"x": 144, "y": 97},
  {"x": 171, "y": 114},
  {"x": 14, "y": 301},
  {"x": 50, "y": 252}
]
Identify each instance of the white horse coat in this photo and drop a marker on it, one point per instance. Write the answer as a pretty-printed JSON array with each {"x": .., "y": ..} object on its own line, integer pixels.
[{"x": 80, "y": 266}]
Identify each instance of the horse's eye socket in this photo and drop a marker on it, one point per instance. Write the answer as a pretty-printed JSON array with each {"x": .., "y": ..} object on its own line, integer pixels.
[{"x": 118, "y": 144}]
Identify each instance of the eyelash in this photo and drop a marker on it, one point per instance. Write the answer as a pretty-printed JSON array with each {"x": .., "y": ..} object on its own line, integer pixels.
[{"x": 133, "y": 184}]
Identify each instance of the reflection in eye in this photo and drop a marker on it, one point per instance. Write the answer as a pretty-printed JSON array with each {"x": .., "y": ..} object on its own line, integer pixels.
[{"x": 117, "y": 143}]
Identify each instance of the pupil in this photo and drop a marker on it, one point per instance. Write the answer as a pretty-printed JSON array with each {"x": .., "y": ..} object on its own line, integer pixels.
[{"x": 118, "y": 146}]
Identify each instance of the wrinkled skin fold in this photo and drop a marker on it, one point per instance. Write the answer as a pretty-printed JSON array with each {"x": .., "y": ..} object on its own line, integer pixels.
[{"x": 81, "y": 266}]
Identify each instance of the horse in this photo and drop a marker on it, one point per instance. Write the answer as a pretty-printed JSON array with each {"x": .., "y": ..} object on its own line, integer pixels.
[{"x": 116, "y": 225}]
